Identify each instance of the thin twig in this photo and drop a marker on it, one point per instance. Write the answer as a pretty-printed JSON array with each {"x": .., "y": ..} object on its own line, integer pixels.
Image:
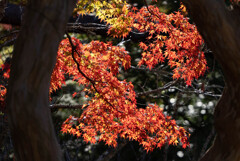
[
  {"x": 209, "y": 138},
  {"x": 197, "y": 92},
  {"x": 10, "y": 34},
  {"x": 57, "y": 106},
  {"x": 78, "y": 65},
  {"x": 88, "y": 27},
  {"x": 110, "y": 153},
  {"x": 8, "y": 43},
  {"x": 167, "y": 86}
]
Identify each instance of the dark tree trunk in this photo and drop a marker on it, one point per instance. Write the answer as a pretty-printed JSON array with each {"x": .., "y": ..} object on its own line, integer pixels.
[
  {"x": 220, "y": 29},
  {"x": 32, "y": 63},
  {"x": 3, "y": 5}
]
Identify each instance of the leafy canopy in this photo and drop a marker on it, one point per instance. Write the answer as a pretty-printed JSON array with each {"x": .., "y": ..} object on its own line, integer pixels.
[{"x": 111, "y": 110}]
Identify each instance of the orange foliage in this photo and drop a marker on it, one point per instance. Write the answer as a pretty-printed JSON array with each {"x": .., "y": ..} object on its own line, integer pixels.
[
  {"x": 170, "y": 37},
  {"x": 112, "y": 112},
  {"x": 3, "y": 92},
  {"x": 4, "y": 70}
]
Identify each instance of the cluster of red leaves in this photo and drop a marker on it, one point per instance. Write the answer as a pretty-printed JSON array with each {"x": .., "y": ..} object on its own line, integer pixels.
[
  {"x": 3, "y": 92},
  {"x": 170, "y": 38},
  {"x": 4, "y": 75},
  {"x": 5, "y": 27},
  {"x": 147, "y": 126},
  {"x": 5, "y": 69},
  {"x": 99, "y": 61},
  {"x": 112, "y": 111}
]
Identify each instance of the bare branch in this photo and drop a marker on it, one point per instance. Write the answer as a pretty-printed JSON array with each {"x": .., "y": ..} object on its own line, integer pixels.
[
  {"x": 209, "y": 138},
  {"x": 110, "y": 153},
  {"x": 82, "y": 24},
  {"x": 167, "y": 86},
  {"x": 8, "y": 43},
  {"x": 197, "y": 92},
  {"x": 58, "y": 106}
]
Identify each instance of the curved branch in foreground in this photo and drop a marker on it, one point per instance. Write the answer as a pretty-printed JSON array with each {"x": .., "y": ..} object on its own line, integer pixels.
[{"x": 33, "y": 60}]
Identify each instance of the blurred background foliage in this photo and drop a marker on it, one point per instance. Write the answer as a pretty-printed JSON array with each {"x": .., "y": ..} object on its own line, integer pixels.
[{"x": 191, "y": 106}]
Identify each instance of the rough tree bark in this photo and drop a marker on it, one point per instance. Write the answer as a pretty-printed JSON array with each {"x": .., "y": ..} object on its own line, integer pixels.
[
  {"x": 220, "y": 29},
  {"x": 32, "y": 63}
]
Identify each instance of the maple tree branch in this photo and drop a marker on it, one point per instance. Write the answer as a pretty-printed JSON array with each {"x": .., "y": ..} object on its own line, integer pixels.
[
  {"x": 8, "y": 43},
  {"x": 197, "y": 92},
  {"x": 205, "y": 145},
  {"x": 9, "y": 38},
  {"x": 150, "y": 10},
  {"x": 165, "y": 155},
  {"x": 84, "y": 75},
  {"x": 57, "y": 106},
  {"x": 111, "y": 152},
  {"x": 170, "y": 86},
  {"x": 14, "y": 33},
  {"x": 74, "y": 59},
  {"x": 54, "y": 107},
  {"x": 167, "y": 86},
  {"x": 158, "y": 70},
  {"x": 82, "y": 24},
  {"x": 92, "y": 28}
]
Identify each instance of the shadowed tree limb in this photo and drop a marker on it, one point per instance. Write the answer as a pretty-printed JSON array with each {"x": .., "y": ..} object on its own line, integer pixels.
[
  {"x": 82, "y": 24},
  {"x": 111, "y": 152}
]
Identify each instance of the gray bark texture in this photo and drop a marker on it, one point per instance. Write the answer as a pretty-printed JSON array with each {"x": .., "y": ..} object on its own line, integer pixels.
[
  {"x": 220, "y": 29},
  {"x": 32, "y": 63}
]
